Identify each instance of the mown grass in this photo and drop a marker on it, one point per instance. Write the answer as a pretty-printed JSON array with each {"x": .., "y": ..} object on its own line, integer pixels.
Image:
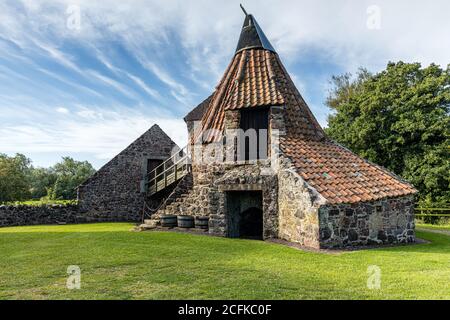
[
  {"x": 433, "y": 226},
  {"x": 119, "y": 264}
]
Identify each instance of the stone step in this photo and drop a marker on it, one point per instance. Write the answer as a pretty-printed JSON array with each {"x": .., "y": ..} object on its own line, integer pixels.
[
  {"x": 150, "y": 224},
  {"x": 144, "y": 227}
]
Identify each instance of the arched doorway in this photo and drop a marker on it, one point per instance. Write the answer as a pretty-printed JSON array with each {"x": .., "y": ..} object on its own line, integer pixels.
[
  {"x": 251, "y": 225},
  {"x": 245, "y": 214}
]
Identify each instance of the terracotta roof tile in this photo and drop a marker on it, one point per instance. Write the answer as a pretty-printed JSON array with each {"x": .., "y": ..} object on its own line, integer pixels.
[
  {"x": 257, "y": 78},
  {"x": 341, "y": 165}
]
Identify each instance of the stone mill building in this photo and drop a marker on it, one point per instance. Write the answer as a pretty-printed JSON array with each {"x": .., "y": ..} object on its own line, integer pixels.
[{"x": 257, "y": 165}]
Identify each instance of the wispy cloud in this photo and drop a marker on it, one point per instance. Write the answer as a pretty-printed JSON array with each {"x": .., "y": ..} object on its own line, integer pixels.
[
  {"x": 137, "y": 62},
  {"x": 101, "y": 133},
  {"x": 112, "y": 83}
]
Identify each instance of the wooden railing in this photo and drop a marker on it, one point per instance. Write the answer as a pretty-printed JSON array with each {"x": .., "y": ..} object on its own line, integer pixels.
[{"x": 169, "y": 172}]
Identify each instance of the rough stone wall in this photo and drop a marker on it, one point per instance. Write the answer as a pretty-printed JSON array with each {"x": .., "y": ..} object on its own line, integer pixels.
[
  {"x": 387, "y": 221},
  {"x": 212, "y": 179},
  {"x": 298, "y": 208},
  {"x": 298, "y": 204},
  {"x": 208, "y": 195},
  {"x": 115, "y": 189},
  {"x": 202, "y": 200},
  {"x": 248, "y": 178},
  {"x": 53, "y": 214},
  {"x": 29, "y": 215}
]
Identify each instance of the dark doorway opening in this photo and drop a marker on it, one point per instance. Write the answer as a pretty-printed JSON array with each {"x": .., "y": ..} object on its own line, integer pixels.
[
  {"x": 152, "y": 164},
  {"x": 245, "y": 214},
  {"x": 258, "y": 120},
  {"x": 251, "y": 225}
]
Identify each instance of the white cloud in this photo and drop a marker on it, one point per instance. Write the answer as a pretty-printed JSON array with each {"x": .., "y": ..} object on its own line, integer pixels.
[
  {"x": 206, "y": 32},
  {"x": 178, "y": 91},
  {"x": 102, "y": 134},
  {"x": 62, "y": 110},
  {"x": 113, "y": 83}
]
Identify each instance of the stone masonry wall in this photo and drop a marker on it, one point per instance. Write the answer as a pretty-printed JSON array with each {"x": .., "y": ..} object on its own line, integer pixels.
[
  {"x": 298, "y": 208},
  {"x": 213, "y": 179},
  {"x": 249, "y": 178},
  {"x": 202, "y": 200},
  {"x": 208, "y": 195},
  {"x": 387, "y": 221},
  {"x": 115, "y": 189},
  {"x": 53, "y": 214},
  {"x": 293, "y": 211},
  {"x": 29, "y": 215}
]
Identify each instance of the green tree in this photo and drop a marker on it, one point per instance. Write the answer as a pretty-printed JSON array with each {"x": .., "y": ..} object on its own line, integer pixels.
[
  {"x": 398, "y": 118},
  {"x": 41, "y": 181},
  {"x": 13, "y": 178},
  {"x": 70, "y": 174}
]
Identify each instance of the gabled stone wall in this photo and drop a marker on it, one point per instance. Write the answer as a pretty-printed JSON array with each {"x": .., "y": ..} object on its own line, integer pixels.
[{"x": 116, "y": 188}]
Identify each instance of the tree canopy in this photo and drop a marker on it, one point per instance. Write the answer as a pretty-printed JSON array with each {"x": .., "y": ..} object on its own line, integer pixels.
[
  {"x": 19, "y": 180},
  {"x": 14, "y": 178},
  {"x": 70, "y": 174},
  {"x": 398, "y": 118}
]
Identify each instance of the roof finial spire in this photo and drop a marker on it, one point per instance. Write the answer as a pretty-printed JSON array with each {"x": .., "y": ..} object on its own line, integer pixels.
[
  {"x": 243, "y": 9},
  {"x": 251, "y": 35}
]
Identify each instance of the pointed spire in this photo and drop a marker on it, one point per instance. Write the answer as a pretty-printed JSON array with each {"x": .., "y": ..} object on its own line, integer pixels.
[{"x": 252, "y": 36}]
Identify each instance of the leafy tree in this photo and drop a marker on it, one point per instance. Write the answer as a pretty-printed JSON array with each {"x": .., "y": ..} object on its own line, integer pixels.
[
  {"x": 70, "y": 174},
  {"x": 13, "y": 177},
  {"x": 398, "y": 118},
  {"x": 41, "y": 181}
]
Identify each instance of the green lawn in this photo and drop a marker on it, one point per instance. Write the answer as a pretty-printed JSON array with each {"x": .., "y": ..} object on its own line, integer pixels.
[
  {"x": 434, "y": 227},
  {"x": 119, "y": 264}
]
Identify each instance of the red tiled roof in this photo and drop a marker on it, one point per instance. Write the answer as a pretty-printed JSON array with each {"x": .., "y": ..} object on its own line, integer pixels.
[{"x": 340, "y": 175}]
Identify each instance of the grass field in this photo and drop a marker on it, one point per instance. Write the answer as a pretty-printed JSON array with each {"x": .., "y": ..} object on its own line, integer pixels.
[
  {"x": 434, "y": 227},
  {"x": 118, "y": 264}
]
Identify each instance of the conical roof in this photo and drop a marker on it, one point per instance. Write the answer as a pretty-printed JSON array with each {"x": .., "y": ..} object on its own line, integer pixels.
[{"x": 257, "y": 78}]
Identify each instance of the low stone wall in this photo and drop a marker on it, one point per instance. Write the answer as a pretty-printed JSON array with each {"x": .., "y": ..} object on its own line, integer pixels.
[
  {"x": 32, "y": 215},
  {"x": 387, "y": 221},
  {"x": 55, "y": 214}
]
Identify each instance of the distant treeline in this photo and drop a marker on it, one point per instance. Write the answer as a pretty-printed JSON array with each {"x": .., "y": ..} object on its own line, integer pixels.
[{"x": 20, "y": 180}]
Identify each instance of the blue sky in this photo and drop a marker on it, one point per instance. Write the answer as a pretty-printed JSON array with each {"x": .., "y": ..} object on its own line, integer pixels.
[{"x": 88, "y": 87}]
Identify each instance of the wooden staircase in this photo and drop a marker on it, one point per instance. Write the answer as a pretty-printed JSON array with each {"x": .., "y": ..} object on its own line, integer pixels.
[
  {"x": 175, "y": 172},
  {"x": 169, "y": 172}
]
